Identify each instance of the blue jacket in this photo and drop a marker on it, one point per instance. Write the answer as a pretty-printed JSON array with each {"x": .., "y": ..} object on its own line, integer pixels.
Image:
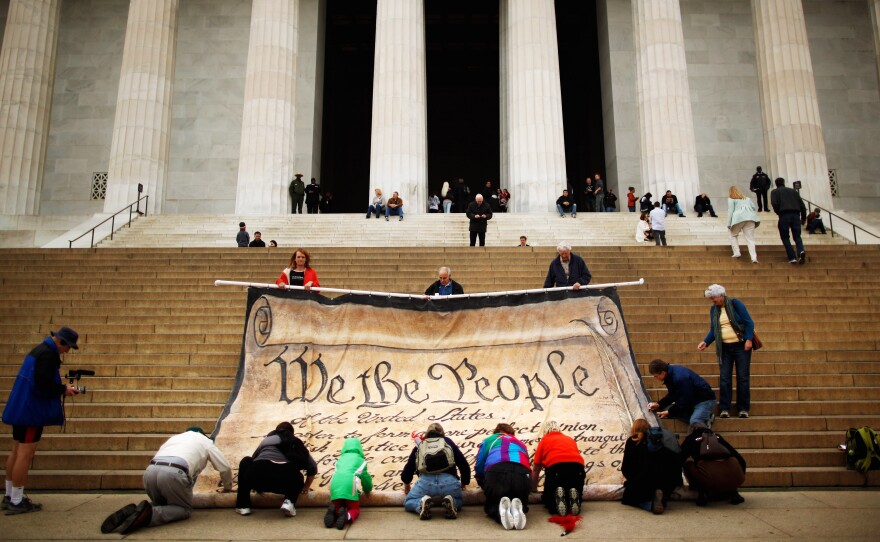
[
  {"x": 578, "y": 272},
  {"x": 35, "y": 399},
  {"x": 686, "y": 389},
  {"x": 741, "y": 320}
]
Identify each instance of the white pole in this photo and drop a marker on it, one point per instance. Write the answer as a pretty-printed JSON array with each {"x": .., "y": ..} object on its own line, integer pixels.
[{"x": 639, "y": 282}]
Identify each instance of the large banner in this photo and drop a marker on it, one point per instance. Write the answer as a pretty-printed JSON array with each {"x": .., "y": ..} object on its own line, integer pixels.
[{"x": 383, "y": 368}]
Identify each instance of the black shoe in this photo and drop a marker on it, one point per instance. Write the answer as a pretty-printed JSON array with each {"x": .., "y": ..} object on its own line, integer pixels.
[
  {"x": 702, "y": 499},
  {"x": 25, "y": 506},
  {"x": 574, "y": 501},
  {"x": 714, "y": 216},
  {"x": 802, "y": 258},
  {"x": 139, "y": 518},
  {"x": 330, "y": 516},
  {"x": 425, "y": 507},
  {"x": 5, "y": 503},
  {"x": 699, "y": 215},
  {"x": 115, "y": 519},
  {"x": 561, "y": 506},
  {"x": 737, "y": 499},
  {"x": 342, "y": 517},
  {"x": 657, "y": 506}
]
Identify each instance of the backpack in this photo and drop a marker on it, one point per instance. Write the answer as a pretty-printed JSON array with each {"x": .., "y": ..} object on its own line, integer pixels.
[
  {"x": 862, "y": 449},
  {"x": 659, "y": 438},
  {"x": 711, "y": 448},
  {"x": 434, "y": 456}
]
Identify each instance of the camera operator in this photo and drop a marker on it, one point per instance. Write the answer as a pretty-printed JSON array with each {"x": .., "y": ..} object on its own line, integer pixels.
[{"x": 34, "y": 402}]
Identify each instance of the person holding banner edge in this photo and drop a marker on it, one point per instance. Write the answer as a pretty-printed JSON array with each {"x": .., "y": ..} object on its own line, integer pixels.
[
  {"x": 298, "y": 272},
  {"x": 567, "y": 269}
]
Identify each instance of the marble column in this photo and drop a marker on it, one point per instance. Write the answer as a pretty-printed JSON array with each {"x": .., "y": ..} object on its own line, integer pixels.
[
  {"x": 266, "y": 163},
  {"x": 532, "y": 140},
  {"x": 793, "y": 139},
  {"x": 666, "y": 126},
  {"x": 875, "y": 19},
  {"x": 27, "y": 75},
  {"x": 399, "y": 135},
  {"x": 139, "y": 151}
]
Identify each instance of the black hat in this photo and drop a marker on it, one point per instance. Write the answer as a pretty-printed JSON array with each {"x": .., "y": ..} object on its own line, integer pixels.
[{"x": 67, "y": 335}]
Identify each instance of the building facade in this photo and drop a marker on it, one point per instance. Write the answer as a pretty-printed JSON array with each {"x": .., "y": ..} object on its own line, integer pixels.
[{"x": 213, "y": 105}]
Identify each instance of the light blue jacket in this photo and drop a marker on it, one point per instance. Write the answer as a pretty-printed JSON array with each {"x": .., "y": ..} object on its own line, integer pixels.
[{"x": 741, "y": 210}]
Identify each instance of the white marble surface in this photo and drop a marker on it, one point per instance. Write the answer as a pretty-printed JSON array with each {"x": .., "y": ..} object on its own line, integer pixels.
[
  {"x": 141, "y": 132},
  {"x": 27, "y": 74},
  {"x": 399, "y": 132}
]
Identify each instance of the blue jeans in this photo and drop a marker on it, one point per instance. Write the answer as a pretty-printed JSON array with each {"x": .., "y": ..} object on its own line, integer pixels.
[
  {"x": 393, "y": 211},
  {"x": 701, "y": 413},
  {"x": 791, "y": 221},
  {"x": 374, "y": 209},
  {"x": 735, "y": 354},
  {"x": 433, "y": 485},
  {"x": 677, "y": 208},
  {"x": 562, "y": 211}
]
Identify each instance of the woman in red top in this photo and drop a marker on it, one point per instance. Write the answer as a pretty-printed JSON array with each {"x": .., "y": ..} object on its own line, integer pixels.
[
  {"x": 298, "y": 272},
  {"x": 564, "y": 472}
]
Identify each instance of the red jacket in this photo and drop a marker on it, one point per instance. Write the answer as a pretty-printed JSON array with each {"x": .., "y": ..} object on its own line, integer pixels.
[{"x": 311, "y": 276}]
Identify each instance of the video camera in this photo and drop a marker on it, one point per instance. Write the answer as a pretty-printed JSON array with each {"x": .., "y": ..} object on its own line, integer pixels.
[{"x": 75, "y": 375}]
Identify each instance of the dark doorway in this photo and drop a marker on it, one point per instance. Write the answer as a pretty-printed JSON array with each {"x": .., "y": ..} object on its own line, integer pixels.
[
  {"x": 576, "y": 33},
  {"x": 462, "y": 86},
  {"x": 350, "y": 41}
]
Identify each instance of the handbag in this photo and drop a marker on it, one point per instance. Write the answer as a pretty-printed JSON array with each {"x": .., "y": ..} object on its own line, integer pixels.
[{"x": 756, "y": 343}]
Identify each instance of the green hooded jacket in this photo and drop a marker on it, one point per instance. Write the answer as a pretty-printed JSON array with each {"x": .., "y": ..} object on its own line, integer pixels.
[{"x": 351, "y": 459}]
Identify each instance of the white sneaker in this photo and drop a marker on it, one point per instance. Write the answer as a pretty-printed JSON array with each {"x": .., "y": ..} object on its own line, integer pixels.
[
  {"x": 288, "y": 508},
  {"x": 504, "y": 513},
  {"x": 243, "y": 511},
  {"x": 519, "y": 517}
]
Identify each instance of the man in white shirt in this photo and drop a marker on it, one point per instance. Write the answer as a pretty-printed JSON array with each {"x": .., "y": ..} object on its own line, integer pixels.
[
  {"x": 658, "y": 224},
  {"x": 169, "y": 481}
]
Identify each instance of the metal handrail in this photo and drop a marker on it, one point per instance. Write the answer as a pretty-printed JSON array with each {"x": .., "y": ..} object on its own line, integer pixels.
[
  {"x": 112, "y": 219},
  {"x": 810, "y": 206}
]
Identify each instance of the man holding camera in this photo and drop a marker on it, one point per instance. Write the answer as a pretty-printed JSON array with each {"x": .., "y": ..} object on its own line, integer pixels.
[{"x": 34, "y": 402}]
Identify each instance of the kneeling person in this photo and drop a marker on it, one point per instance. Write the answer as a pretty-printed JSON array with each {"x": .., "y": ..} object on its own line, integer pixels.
[
  {"x": 712, "y": 466},
  {"x": 437, "y": 461}
]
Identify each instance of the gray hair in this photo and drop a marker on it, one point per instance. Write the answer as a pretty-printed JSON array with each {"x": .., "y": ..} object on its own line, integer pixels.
[
  {"x": 445, "y": 268},
  {"x": 550, "y": 426},
  {"x": 563, "y": 245},
  {"x": 715, "y": 290}
]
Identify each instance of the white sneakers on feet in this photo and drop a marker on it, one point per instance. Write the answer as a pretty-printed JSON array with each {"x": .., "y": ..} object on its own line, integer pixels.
[
  {"x": 519, "y": 517},
  {"x": 504, "y": 513},
  {"x": 288, "y": 508},
  {"x": 243, "y": 511}
]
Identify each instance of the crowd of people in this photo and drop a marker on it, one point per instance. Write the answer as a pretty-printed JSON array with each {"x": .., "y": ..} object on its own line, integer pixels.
[{"x": 503, "y": 468}]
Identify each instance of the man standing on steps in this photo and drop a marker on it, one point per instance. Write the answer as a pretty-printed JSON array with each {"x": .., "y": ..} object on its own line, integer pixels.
[
  {"x": 567, "y": 269},
  {"x": 297, "y": 191},
  {"x": 169, "y": 480},
  {"x": 34, "y": 402},
  {"x": 760, "y": 184},
  {"x": 313, "y": 197},
  {"x": 479, "y": 213},
  {"x": 792, "y": 212}
]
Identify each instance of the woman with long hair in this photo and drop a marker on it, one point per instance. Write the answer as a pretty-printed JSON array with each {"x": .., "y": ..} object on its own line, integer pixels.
[
  {"x": 652, "y": 472},
  {"x": 298, "y": 272},
  {"x": 742, "y": 217}
]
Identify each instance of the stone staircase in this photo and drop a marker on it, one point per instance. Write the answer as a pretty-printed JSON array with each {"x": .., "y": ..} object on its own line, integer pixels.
[
  {"x": 430, "y": 230},
  {"x": 165, "y": 342}
]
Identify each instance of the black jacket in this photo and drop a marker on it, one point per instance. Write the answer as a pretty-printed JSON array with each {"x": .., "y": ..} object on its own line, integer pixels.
[
  {"x": 409, "y": 470},
  {"x": 577, "y": 272},
  {"x": 434, "y": 288},
  {"x": 479, "y": 224},
  {"x": 787, "y": 200}
]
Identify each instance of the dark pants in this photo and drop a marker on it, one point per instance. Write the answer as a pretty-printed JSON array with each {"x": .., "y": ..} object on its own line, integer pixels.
[
  {"x": 791, "y": 222},
  {"x": 762, "y": 200},
  {"x": 267, "y": 477},
  {"x": 566, "y": 476},
  {"x": 590, "y": 203},
  {"x": 659, "y": 237},
  {"x": 481, "y": 235},
  {"x": 816, "y": 224},
  {"x": 735, "y": 354},
  {"x": 312, "y": 207},
  {"x": 297, "y": 205},
  {"x": 510, "y": 480}
]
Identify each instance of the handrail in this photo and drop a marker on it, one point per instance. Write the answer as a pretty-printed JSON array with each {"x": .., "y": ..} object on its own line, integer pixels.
[
  {"x": 112, "y": 220},
  {"x": 810, "y": 206}
]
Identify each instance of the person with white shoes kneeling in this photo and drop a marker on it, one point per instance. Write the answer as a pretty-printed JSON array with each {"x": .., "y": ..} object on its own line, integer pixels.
[
  {"x": 503, "y": 472},
  {"x": 276, "y": 467}
]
